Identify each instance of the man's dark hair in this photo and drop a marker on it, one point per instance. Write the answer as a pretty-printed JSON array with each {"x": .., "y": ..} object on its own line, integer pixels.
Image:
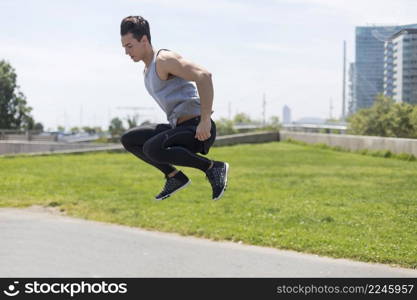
[{"x": 137, "y": 26}]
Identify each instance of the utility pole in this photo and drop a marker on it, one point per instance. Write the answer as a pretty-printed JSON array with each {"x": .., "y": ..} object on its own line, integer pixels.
[
  {"x": 344, "y": 82},
  {"x": 66, "y": 119},
  {"x": 331, "y": 109},
  {"x": 230, "y": 110},
  {"x": 263, "y": 110},
  {"x": 81, "y": 116}
]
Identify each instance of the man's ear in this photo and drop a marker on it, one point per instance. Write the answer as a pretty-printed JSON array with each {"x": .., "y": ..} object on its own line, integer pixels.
[{"x": 144, "y": 39}]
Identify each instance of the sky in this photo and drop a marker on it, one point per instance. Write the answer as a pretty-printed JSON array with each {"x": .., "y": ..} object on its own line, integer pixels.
[{"x": 72, "y": 68}]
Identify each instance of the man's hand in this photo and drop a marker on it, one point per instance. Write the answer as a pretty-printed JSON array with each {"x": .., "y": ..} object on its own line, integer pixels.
[{"x": 203, "y": 130}]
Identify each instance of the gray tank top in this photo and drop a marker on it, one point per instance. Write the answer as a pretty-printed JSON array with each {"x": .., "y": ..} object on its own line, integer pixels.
[{"x": 177, "y": 97}]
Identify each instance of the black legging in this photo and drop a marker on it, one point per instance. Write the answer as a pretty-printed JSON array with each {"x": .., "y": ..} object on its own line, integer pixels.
[{"x": 162, "y": 146}]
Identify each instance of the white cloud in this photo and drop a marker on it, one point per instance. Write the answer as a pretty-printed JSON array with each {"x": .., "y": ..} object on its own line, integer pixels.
[
  {"x": 279, "y": 48},
  {"x": 366, "y": 12}
]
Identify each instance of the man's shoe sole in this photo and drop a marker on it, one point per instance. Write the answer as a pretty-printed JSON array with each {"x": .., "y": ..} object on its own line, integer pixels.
[
  {"x": 225, "y": 183},
  {"x": 179, "y": 189}
]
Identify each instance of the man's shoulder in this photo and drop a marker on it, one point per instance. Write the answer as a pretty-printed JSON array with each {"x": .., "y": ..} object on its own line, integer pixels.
[
  {"x": 166, "y": 61},
  {"x": 167, "y": 55}
]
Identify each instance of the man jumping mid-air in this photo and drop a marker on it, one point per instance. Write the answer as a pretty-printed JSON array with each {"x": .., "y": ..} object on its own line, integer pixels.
[{"x": 184, "y": 91}]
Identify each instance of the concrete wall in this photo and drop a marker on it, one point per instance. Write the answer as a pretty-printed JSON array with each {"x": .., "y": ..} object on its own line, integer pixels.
[
  {"x": 244, "y": 138},
  {"x": 15, "y": 147},
  {"x": 42, "y": 148},
  {"x": 355, "y": 142},
  {"x": 350, "y": 142},
  {"x": 28, "y": 136}
]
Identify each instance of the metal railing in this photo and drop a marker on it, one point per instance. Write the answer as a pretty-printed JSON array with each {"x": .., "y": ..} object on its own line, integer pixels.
[{"x": 28, "y": 135}]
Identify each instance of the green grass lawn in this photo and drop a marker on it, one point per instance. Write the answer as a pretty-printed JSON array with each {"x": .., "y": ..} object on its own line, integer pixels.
[{"x": 281, "y": 195}]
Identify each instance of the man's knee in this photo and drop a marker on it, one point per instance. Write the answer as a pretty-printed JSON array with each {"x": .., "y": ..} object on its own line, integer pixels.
[
  {"x": 133, "y": 137},
  {"x": 125, "y": 140},
  {"x": 152, "y": 149}
]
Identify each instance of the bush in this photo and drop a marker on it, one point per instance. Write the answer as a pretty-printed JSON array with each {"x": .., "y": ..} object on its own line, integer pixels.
[
  {"x": 225, "y": 127},
  {"x": 385, "y": 118}
]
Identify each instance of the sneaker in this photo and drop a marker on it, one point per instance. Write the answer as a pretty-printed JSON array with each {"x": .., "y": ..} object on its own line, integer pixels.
[
  {"x": 173, "y": 184},
  {"x": 217, "y": 176}
]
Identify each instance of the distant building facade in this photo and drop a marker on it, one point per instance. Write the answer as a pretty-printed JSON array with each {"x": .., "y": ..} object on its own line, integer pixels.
[
  {"x": 351, "y": 90},
  {"x": 286, "y": 115},
  {"x": 368, "y": 75},
  {"x": 400, "y": 74}
]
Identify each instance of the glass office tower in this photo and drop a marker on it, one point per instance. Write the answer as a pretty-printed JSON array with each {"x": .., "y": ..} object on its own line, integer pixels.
[
  {"x": 404, "y": 66},
  {"x": 368, "y": 77}
]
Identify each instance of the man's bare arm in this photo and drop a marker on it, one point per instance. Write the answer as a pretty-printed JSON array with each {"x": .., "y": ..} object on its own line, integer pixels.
[{"x": 173, "y": 63}]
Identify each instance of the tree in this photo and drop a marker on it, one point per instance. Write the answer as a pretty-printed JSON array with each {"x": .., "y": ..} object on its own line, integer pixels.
[
  {"x": 92, "y": 130},
  {"x": 273, "y": 124},
  {"x": 385, "y": 118},
  {"x": 38, "y": 127},
  {"x": 375, "y": 120},
  {"x": 224, "y": 127},
  {"x": 116, "y": 127},
  {"x": 75, "y": 130},
  {"x": 332, "y": 121},
  {"x": 413, "y": 121},
  {"x": 242, "y": 118},
  {"x": 98, "y": 130},
  {"x": 14, "y": 112},
  {"x": 400, "y": 116},
  {"x": 132, "y": 121}
]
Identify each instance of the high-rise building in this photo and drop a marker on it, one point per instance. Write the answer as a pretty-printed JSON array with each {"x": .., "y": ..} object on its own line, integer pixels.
[
  {"x": 286, "y": 115},
  {"x": 351, "y": 90},
  {"x": 400, "y": 79},
  {"x": 368, "y": 76},
  {"x": 388, "y": 68}
]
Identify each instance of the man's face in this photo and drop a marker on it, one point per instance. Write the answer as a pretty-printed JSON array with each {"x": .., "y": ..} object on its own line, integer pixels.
[{"x": 133, "y": 47}]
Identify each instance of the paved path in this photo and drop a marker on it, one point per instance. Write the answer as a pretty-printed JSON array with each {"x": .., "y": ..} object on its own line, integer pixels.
[{"x": 41, "y": 244}]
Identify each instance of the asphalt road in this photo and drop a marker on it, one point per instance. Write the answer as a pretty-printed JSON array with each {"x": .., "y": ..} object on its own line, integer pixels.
[{"x": 41, "y": 244}]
